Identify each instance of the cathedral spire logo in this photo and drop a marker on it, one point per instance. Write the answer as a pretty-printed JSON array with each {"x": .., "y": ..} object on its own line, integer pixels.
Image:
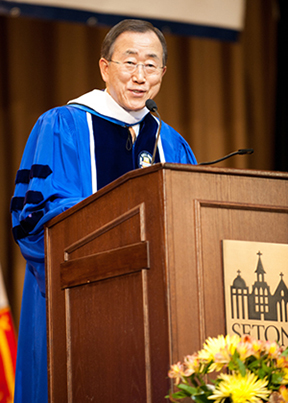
[
  {"x": 260, "y": 303},
  {"x": 256, "y": 293}
]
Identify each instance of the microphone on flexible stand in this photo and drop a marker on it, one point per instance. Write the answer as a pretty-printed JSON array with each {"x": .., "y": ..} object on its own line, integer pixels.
[
  {"x": 151, "y": 105},
  {"x": 242, "y": 151}
]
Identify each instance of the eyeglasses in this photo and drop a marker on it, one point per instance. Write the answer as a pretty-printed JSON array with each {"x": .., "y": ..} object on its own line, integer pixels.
[{"x": 131, "y": 67}]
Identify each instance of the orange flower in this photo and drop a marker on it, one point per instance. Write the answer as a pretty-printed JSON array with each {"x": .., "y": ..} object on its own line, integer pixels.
[
  {"x": 249, "y": 347},
  {"x": 192, "y": 364},
  {"x": 176, "y": 372},
  {"x": 273, "y": 350}
]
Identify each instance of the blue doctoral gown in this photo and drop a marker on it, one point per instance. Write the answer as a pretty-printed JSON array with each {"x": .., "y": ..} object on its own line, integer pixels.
[{"x": 72, "y": 152}]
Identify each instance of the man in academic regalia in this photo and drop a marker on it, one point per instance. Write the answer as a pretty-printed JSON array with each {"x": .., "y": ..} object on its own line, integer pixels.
[{"x": 72, "y": 152}]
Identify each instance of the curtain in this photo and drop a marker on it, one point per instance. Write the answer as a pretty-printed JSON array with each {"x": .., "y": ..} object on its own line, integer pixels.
[
  {"x": 281, "y": 147},
  {"x": 219, "y": 95}
]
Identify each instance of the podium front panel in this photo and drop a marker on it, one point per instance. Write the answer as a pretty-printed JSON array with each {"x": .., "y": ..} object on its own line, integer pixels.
[{"x": 135, "y": 275}]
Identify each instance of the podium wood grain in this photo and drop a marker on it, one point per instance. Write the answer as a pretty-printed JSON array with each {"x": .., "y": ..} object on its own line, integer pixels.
[{"x": 134, "y": 275}]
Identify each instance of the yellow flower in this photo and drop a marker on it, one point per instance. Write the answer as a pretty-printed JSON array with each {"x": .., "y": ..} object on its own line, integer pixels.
[
  {"x": 176, "y": 372},
  {"x": 282, "y": 362},
  {"x": 285, "y": 376},
  {"x": 247, "y": 389},
  {"x": 218, "y": 350},
  {"x": 284, "y": 393}
]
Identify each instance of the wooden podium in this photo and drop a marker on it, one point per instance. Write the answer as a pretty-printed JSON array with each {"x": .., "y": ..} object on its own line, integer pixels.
[{"x": 134, "y": 275}]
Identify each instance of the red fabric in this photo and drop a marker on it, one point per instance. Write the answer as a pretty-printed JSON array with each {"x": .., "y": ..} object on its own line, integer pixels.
[{"x": 7, "y": 356}]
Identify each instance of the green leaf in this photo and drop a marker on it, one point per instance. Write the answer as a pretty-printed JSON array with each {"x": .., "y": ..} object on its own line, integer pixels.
[
  {"x": 261, "y": 373},
  {"x": 285, "y": 352},
  {"x": 253, "y": 364},
  {"x": 189, "y": 390},
  {"x": 267, "y": 369},
  {"x": 206, "y": 368},
  {"x": 276, "y": 378},
  {"x": 241, "y": 366},
  {"x": 231, "y": 365},
  {"x": 179, "y": 395},
  {"x": 201, "y": 399}
]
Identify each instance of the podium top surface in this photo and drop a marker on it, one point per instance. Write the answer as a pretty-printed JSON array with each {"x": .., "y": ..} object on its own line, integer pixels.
[{"x": 168, "y": 167}]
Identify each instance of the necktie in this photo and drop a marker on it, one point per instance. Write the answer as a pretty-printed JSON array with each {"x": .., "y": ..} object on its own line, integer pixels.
[{"x": 133, "y": 134}]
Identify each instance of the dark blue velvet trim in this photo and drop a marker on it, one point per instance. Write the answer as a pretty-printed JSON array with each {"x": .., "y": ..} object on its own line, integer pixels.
[
  {"x": 113, "y": 157},
  {"x": 103, "y": 19},
  {"x": 17, "y": 204},
  {"x": 22, "y": 176},
  {"x": 31, "y": 221},
  {"x": 40, "y": 171},
  {"x": 18, "y": 233},
  {"x": 26, "y": 226},
  {"x": 33, "y": 197},
  {"x": 37, "y": 171}
]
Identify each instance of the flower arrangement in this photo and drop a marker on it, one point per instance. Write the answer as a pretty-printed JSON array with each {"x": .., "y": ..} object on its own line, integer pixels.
[{"x": 246, "y": 371}]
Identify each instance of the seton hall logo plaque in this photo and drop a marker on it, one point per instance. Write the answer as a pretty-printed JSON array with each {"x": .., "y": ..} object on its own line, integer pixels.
[{"x": 256, "y": 289}]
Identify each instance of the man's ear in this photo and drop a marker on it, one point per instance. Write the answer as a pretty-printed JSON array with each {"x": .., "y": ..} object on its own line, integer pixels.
[
  {"x": 164, "y": 70},
  {"x": 104, "y": 66}
]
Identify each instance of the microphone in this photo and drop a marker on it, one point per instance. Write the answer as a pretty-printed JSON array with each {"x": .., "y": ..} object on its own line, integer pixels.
[
  {"x": 151, "y": 105},
  {"x": 242, "y": 151}
]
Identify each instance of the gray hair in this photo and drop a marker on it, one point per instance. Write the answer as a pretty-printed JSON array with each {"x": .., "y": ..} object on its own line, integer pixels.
[{"x": 141, "y": 26}]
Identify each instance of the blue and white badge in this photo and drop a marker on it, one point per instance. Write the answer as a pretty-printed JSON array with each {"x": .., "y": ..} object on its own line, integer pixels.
[{"x": 144, "y": 159}]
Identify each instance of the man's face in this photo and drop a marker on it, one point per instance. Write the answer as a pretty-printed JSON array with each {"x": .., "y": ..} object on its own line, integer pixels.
[{"x": 131, "y": 89}]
